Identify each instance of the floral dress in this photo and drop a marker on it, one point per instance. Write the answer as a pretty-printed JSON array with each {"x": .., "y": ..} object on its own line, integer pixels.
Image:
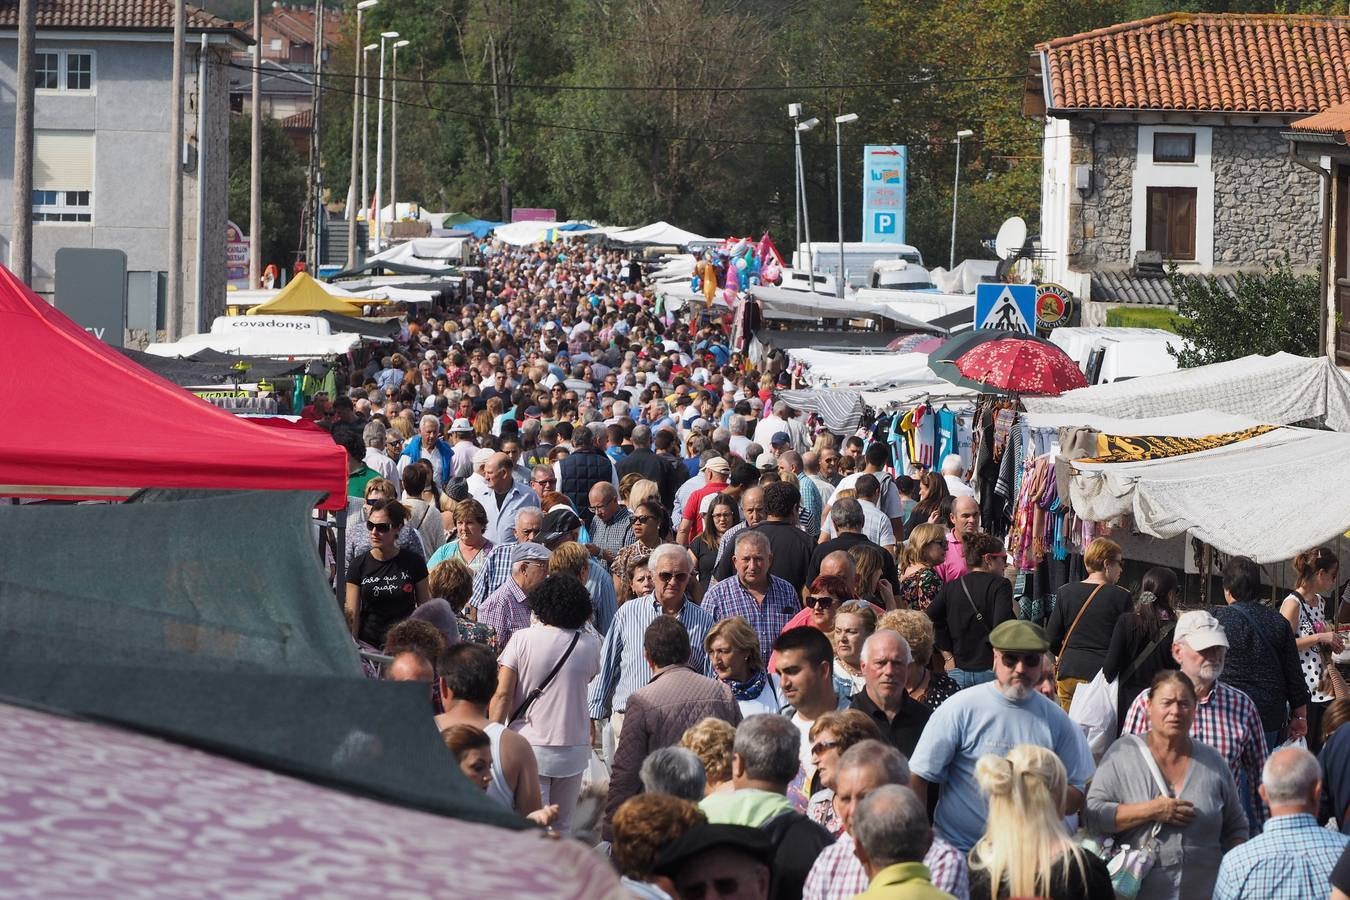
[
  {"x": 919, "y": 590},
  {"x": 1311, "y": 620}
]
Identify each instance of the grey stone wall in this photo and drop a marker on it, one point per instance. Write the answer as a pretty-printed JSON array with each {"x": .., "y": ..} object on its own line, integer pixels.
[
  {"x": 1264, "y": 205},
  {"x": 1103, "y": 237}
]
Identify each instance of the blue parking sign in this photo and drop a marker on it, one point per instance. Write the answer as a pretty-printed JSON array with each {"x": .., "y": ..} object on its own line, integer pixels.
[
  {"x": 883, "y": 223},
  {"x": 1008, "y": 307}
]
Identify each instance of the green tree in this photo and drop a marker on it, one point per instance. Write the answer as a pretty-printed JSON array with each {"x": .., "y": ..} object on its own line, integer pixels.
[
  {"x": 1272, "y": 311},
  {"x": 283, "y": 188}
]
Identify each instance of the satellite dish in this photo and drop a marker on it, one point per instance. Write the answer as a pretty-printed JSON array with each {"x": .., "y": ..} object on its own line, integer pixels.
[{"x": 1012, "y": 235}]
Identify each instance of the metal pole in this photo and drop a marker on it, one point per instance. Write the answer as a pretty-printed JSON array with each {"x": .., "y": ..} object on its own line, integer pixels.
[
  {"x": 956, "y": 187},
  {"x": 174, "y": 312},
  {"x": 201, "y": 190},
  {"x": 365, "y": 137},
  {"x": 379, "y": 151},
  {"x": 21, "y": 243},
  {"x": 316, "y": 260},
  {"x": 255, "y": 157},
  {"x": 352, "y": 197},
  {"x": 797, "y": 182},
  {"x": 806, "y": 218},
  {"x": 839, "y": 202},
  {"x": 393, "y": 134}
]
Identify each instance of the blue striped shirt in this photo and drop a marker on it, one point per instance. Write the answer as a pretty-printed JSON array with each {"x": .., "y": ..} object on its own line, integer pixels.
[
  {"x": 492, "y": 575},
  {"x": 623, "y": 667},
  {"x": 1290, "y": 859}
]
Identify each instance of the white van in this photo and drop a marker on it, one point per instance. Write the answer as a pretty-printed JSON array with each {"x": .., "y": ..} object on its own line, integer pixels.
[
  {"x": 858, "y": 258},
  {"x": 900, "y": 275},
  {"x": 1107, "y": 354}
]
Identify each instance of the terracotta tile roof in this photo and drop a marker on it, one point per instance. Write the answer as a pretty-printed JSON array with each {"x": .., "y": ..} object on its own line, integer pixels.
[
  {"x": 304, "y": 119},
  {"x": 130, "y": 15},
  {"x": 1204, "y": 63},
  {"x": 1333, "y": 119}
]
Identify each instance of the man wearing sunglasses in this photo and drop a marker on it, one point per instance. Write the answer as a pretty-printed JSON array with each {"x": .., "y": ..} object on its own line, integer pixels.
[{"x": 990, "y": 718}]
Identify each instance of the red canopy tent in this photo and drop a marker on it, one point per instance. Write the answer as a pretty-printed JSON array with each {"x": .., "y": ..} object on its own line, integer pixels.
[{"x": 84, "y": 422}]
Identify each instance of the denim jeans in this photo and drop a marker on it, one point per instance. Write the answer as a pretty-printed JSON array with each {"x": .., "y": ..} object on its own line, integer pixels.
[{"x": 968, "y": 678}]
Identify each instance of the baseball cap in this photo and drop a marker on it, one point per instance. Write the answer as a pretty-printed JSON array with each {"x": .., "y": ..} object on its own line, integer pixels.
[
  {"x": 1199, "y": 630},
  {"x": 717, "y": 464},
  {"x": 1019, "y": 636},
  {"x": 753, "y": 842},
  {"x": 766, "y": 461},
  {"x": 462, "y": 426},
  {"x": 779, "y": 437},
  {"x": 529, "y": 551}
]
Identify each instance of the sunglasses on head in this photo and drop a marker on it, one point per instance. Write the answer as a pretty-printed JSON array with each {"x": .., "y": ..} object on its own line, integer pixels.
[
  {"x": 1029, "y": 660},
  {"x": 822, "y": 601},
  {"x": 380, "y": 527}
]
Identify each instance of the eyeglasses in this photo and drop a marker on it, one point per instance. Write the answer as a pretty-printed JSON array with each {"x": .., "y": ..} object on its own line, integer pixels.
[
  {"x": 643, "y": 520},
  {"x": 821, "y": 746},
  {"x": 380, "y": 527},
  {"x": 822, "y": 601},
  {"x": 544, "y": 481},
  {"x": 1029, "y": 660},
  {"x": 672, "y": 576},
  {"x": 600, "y": 507}
]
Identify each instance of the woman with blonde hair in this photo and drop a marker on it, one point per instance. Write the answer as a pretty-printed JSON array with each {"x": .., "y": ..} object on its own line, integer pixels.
[
  {"x": 711, "y": 741},
  {"x": 920, "y": 583},
  {"x": 1025, "y": 850},
  {"x": 925, "y": 685},
  {"x": 1084, "y": 617},
  {"x": 643, "y": 489},
  {"x": 870, "y": 561},
  {"x": 733, "y": 652}
]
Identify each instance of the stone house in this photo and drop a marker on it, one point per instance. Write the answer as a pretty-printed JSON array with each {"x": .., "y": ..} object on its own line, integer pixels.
[
  {"x": 102, "y": 139},
  {"x": 1164, "y": 144}
]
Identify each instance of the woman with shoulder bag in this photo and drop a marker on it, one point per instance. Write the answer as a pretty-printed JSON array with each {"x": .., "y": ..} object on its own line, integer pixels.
[
  {"x": 1084, "y": 616},
  {"x": 1141, "y": 643},
  {"x": 542, "y": 674},
  {"x": 970, "y": 607},
  {"x": 1169, "y": 798}
]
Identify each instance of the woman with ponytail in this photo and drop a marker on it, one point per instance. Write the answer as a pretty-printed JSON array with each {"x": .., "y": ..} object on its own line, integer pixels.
[
  {"x": 1316, "y": 571},
  {"x": 1141, "y": 642},
  {"x": 1026, "y": 850},
  {"x": 972, "y": 606}
]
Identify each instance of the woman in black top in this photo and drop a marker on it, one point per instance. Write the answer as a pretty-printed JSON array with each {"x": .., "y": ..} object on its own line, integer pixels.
[
  {"x": 386, "y": 583},
  {"x": 971, "y": 607},
  {"x": 932, "y": 491},
  {"x": 1082, "y": 647},
  {"x": 721, "y": 516},
  {"x": 1149, "y": 624}
]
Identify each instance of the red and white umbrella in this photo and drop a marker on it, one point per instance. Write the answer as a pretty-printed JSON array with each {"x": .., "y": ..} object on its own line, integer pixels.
[{"x": 1021, "y": 367}]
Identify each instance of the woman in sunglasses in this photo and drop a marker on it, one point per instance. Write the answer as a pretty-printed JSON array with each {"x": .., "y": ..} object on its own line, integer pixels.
[
  {"x": 823, "y": 600},
  {"x": 358, "y": 538},
  {"x": 830, "y": 735},
  {"x": 650, "y": 524},
  {"x": 386, "y": 583}
]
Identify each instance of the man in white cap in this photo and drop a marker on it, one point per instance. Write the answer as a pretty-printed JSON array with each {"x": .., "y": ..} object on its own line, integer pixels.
[
  {"x": 461, "y": 441},
  {"x": 1225, "y": 717}
]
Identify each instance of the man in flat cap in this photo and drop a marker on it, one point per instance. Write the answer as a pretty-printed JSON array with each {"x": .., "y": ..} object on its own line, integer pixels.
[{"x": 994, "y": 717}]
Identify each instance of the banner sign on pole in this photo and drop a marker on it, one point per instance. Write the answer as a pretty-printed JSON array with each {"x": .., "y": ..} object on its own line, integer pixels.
[{"x": 884, "y": 199}]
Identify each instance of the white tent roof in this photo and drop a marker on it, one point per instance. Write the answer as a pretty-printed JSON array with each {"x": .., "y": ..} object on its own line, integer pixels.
[
  {"x": 781, "y": 303},
  {"x": 260, "y": 344},
  {"x": 1269, "y": 497},
  {"x": 656, "y": 233},
  {"x": 864, "y": 371},
  {"x": 521, "y": 234},
  {"x": 1276, "y": 390},
  {"x": 427, "y": 253}
]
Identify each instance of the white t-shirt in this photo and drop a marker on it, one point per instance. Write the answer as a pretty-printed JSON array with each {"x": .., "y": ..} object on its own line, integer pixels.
[{"x": 889, "y": 499}]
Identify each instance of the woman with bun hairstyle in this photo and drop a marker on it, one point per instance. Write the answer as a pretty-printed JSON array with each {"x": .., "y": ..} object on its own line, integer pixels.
[
  {"x": 1129, "y": 660},
  {"x": 1316, "y": 571},
  {"x": 1025, "y": 850},
  {"x": 970, "y": 607}
]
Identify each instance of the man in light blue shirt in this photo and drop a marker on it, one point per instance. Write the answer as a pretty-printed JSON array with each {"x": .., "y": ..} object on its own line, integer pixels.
[
  {"x": 993, "y": 718},
  {"x": 1293, "y": 856}
]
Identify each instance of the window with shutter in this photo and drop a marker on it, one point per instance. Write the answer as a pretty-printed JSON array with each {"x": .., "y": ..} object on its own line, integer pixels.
[
  {"x": 1171, "y": 222},
  {"x": 63, "y": 176}
]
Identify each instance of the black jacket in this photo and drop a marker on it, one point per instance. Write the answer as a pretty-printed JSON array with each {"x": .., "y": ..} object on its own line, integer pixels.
[
  {"x": 580, "y": 471},
  {"x": 956, "y": 627},
  {"x": 791, "y": 554},
  {"x": 843, "y": 542}
]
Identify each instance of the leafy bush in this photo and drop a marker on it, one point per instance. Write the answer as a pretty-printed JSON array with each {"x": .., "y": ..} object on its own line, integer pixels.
[{"x": 1271, "y": 311}]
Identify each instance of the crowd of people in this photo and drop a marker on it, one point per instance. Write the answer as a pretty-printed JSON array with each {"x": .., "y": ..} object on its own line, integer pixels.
[{"x": 667, "y": 613}]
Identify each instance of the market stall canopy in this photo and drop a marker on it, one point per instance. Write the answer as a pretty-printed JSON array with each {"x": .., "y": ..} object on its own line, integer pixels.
[
  {"x": 779, "y": 302},
  {"x": 662, "y": 233},
  {"x": 303, "y": 295},
  {"x": 841, "y": 410},
  {"x": 288, "y": 337},
  {"x": 522, "y": 234},
  {"x": 374, "y": 329},
  {"x": 1278, "y": 390},
  {"x": 870, "y": 371},
  {"x": 139, "y": 429},
  {"x": 1265, "y": 494},
  {"x": 219, "y": 369}
]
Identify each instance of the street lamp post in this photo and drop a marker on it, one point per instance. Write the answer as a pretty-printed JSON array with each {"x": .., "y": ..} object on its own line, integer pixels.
[
  {"x": 956, "y": 187},
  {"x": 379, "y": 143},
  {"x": 795, "y": 113},
  {"x": 839, "y": 123},
  {"x": 802, "y": 128},
  {"x": 352, "y": 199},
  {"x": 365, "y": 129},
  {"x": 393, "y": 133}
]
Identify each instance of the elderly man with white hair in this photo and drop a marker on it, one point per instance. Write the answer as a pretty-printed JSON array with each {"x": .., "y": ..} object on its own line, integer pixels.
[
  {"x": 951, "y": 473},
  {"x": 429, "y": 445},
  {"x": 374, "y": 435},
  {"x": 885, "y": 699},
  {"x": 1293, "y": 856},
  {"x": 771, "y": 424}
]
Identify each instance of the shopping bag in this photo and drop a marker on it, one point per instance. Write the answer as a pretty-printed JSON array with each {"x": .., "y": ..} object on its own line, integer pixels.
[
  {"x": 1094, "y": 710},
  {"x": 1130, "y": 866}
]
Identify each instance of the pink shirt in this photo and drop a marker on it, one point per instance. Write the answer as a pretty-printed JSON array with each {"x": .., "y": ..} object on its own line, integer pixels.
[
  {"x": 954, "y": 566},
  {"x": 560, "y": 717}
]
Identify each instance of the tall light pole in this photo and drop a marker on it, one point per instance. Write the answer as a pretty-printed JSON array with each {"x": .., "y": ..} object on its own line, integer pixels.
[
  {"x": 379, "y": 143},
  {"x": 173, "y": 313},
  {"x": 21, "y": 245},
  {"x": 839, "y": 123},
  {"x": 801, "y": 129},
  {"x": 365, "y": 132},
  {"x": 352, "y": 197},
  {"x": 393, "y": 132},
  {"x": 255, "y": 156},
  {"x": 795, "y": 114},
  {"x": 956, "y": 186}
]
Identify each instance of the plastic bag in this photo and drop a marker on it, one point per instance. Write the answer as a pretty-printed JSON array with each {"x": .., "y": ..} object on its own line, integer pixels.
[
  {"x": 1094, "y": 710},
  {"x": 1130, "y": 867}
]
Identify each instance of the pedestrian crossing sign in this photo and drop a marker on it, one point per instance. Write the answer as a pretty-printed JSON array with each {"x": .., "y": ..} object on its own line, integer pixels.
[{"x": 1006, "y": 307}]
